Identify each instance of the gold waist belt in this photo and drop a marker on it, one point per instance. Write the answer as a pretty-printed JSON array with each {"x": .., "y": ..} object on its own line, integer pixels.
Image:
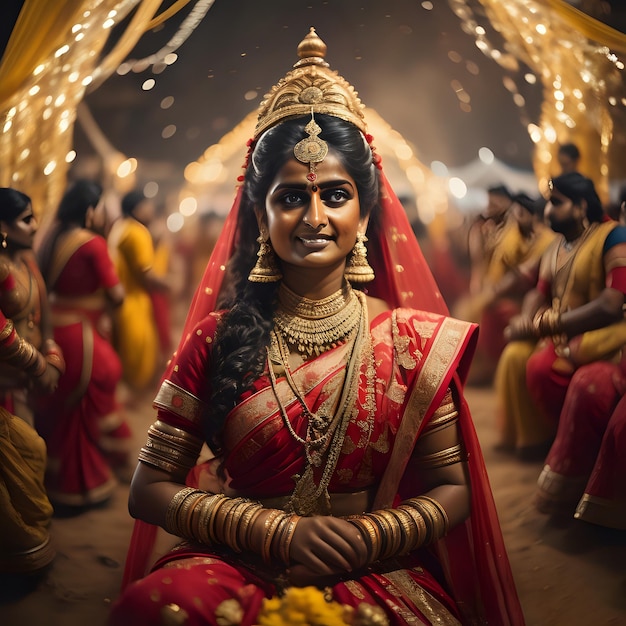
[{"x": 341, "y": 504}]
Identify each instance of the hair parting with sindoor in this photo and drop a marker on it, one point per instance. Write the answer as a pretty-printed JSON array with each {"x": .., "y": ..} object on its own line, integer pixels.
[{"x": 238, "y": 352}]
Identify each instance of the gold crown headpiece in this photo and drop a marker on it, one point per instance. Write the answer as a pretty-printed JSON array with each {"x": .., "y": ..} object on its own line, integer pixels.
[{"x": 310, "y": 87}]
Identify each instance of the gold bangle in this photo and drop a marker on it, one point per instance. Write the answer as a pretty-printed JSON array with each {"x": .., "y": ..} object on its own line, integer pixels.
[
  {"x": 408, "y": 531},
  {"x": 247, "y": 539},
  {"x": 194, "y": 512},
  {"x": 380, "y": 534},
  {"x": 249, "y": 514},
  {"x": 171, "y": 514},
  {"x": 270, "y": 531},
  {"x": 212, "y": 526},
  {"x": 7, "y": 330},
  {"x": 420, "y": 524},
  {"x": 443, "y": 523},
  {"x": 392, "y": 530},
  {"x": 286, "y": 543}
]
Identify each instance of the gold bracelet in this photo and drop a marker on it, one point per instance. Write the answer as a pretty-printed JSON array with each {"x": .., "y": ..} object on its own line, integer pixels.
[
  {"x": 391, "y": 531},
  {"x": 171, "y": 514},
  {"x": 368, "y": 532},
  {"x": 251, "y": 512},
  {"x": 247, "y": 538},
  {"x": 286, "y": 542},
  {"x": 210, "y": 520},
  {"x": 408, "y": 531},
  {"x": 380, "y": 534},
  {"x": 420, "y": 524},
  {"x": 443, "y": 523},
  {"x": 270, "y": 531},
  {"x": 7, "y": 330}
]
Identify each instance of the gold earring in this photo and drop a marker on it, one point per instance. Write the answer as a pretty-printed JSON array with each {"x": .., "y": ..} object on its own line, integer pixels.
[
  {"x": 4, "y": 240},
  {"x": 266, "y": 269},
  {"x": 358, "y": 270}
]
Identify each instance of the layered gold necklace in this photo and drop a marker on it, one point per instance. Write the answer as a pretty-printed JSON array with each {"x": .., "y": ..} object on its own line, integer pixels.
[
  {"x": 325, "y": 431},
  {"x": 312, "y": 327}
]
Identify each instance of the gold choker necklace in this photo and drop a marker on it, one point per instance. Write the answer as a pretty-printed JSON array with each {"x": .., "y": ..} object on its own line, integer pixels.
[{"x": 315, "y": 326}]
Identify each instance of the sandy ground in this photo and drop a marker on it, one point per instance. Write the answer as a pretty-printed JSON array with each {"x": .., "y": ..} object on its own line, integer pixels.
[{"x": 568, "y": 573}]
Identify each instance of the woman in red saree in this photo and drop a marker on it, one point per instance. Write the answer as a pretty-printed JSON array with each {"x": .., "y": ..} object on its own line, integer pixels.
[
  {"x": 82, "y": 422},
  {"x": 344, "y": 454}
]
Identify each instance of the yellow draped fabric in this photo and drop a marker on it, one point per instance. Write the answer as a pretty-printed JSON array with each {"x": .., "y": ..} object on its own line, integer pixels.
[
  {"x": 590, "y": 27},
  {"x": 573, "y": 55},
  {"x": 136, "y": 336},
  {"x": 51, "y": 60},
  {"x": 25, "y": 510}
]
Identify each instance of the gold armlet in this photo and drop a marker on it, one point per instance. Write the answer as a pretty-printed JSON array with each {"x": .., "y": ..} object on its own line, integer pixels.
[
  {"x": 170, "y": 449},
  {"x": 441, "y": 458},
  {"x": 217, "y": 519},
  {"x": 179, "y": 401},
  {"x": 445, "y": 415}
]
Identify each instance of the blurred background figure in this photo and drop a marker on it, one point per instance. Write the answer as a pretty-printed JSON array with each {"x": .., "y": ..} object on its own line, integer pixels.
[
  {"x": 568, "y": 157},
  {"x": 82, "y": 421},
  {"x": 135, "y": 331},
  {"x": 584, "y": 471},
  {"x": 30, "y": 363},
  {"x": 513, "y": 270},
  {"x": 485, "y": 234},
  {"x": 161, "y": 298},
  {"x": 572, "y": 317}
]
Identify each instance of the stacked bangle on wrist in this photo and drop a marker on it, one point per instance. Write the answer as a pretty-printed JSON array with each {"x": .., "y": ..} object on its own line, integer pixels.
[
  {"x": 217, "y": 519},
  {"x": 547, "y": 323},
  {"x": 391, "y": 532}
]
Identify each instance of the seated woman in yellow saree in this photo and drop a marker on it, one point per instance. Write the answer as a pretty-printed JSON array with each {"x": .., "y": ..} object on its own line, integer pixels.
[
  {"x": 30, "y": 362},
  {"x": 345, "y": 456}
]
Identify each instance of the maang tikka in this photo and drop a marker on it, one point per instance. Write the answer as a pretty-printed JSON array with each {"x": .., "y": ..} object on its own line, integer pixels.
[
  {"x": 266, "y": 269},
  {"x": 311, "y": 149},
  {"x": 358, "y": 270}
]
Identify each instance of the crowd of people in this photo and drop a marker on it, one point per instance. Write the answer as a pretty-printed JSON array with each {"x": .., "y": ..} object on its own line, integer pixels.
[
  {"x": 547, "y": 286},
  {"x": 67, "y": 350},
  {"x": 311, "y": 429}
]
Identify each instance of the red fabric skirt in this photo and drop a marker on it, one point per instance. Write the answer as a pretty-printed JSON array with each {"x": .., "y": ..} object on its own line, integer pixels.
[
  {"x": 82, "y": 421},
  {"x": 403, "y": 588}
]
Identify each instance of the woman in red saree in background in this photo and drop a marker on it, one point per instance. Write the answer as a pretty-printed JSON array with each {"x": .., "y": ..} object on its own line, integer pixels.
[
  {"x": 30, "y": 363},
  {"x": 573, "y": 317},
  {"x": 312, "y": 395},
  {"x": 82, "y": 422}
]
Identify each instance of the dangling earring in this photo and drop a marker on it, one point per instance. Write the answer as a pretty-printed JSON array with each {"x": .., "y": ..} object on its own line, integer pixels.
[
  {"x": 4, "y": 240},
  {"x": 358, "y": 270},
  {"x": 266, "y": 268}
]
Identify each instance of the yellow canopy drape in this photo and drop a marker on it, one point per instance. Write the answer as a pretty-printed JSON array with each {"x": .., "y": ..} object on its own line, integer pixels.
[
  {"x": 51, "y": 60},
  {"x": 572, "y": 55}
]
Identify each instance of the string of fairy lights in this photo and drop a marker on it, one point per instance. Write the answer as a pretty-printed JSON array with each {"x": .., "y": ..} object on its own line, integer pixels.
[{"x": 582, "y": 83}]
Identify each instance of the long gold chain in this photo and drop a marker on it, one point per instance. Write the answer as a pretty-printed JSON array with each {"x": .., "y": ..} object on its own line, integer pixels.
[{"x": 327, "y": 439}]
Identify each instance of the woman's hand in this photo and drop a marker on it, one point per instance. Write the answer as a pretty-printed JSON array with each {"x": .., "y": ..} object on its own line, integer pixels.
[
  {"x": 324, "y": 547},
  {"x": 48, "y": 381},
  {"x": 520, "y": 328}
]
